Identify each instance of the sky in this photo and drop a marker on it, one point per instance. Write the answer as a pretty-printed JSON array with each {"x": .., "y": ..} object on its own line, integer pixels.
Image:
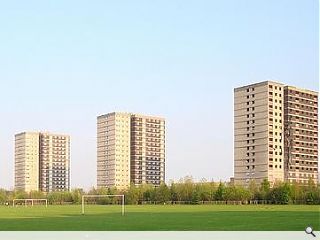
[{"x": 63, "y": 63}]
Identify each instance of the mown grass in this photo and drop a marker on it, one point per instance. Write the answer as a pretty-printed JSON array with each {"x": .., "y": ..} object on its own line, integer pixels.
[{"x": 159, "y": 217}]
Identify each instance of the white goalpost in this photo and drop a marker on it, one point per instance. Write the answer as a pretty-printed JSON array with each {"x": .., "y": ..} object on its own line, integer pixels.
[
  {"x": 32, "y": 200},
  {"x": 101, "y": 196}
]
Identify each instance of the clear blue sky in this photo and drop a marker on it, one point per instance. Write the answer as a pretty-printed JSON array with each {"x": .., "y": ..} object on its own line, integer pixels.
[{"x": 62, "y": 63}]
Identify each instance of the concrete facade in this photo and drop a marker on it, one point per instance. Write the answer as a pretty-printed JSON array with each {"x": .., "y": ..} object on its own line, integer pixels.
[
  {"x": 42, "y": 162},
  {"x": 27, "y": 161},
  {"x": 258, "y": 145},
  {"x": 301, "y": 125},
  {"x": 261, "y": 120},
  {"x": 130, "y": 150},
  {"x": 147, "y": 150},
  {"x": 113, "y": 150}
]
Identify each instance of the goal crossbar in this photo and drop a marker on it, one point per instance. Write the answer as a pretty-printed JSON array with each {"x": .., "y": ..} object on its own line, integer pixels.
[
  {"x": 98, "y": 196},
  {"x": 32, "y": 200}
]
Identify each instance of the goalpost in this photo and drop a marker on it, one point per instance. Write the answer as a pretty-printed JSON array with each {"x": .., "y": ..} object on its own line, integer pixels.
[
  {"x": 32, "y": 200},
  {"x": 100, "y": 196}
]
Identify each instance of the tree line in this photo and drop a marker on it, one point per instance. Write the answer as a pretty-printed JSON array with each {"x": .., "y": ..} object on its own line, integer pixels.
[{"x": 186, "y": 191}]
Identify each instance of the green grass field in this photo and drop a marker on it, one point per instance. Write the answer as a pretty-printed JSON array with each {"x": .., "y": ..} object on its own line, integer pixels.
[{"x": 158, "y": 218}]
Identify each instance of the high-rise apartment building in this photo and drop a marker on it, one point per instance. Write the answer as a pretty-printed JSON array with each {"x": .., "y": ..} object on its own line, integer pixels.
[
  {"x": 130, "y": 150},
  {"x": 147, "y": 150},
  {"x": 113, "y": 150},
  {"x": 301, "y": 125},
  {"x": 27, "y": 161},
  {"x": 42, "y": 162},
  {"x": 258, "y": 120},
  {"x": 261, "y": 120}
]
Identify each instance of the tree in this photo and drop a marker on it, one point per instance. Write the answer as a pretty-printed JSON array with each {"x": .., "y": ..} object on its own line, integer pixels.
[
  {"x": 20, "y": 194},
  {"x": 264, "y": 189},
  {"x": 254, "y": 190},
  {"x": 132, "y": 195},
  {"x": 220, "y": 193},
  {"x": 54, "y": 197},
  {"x": 280, "y": 194},
  {"x": 196, "y": 194},
  {"x": 184, "y": 189},
  {"x": 36, "y": 194},
  {"x": 77, "y": 195},
  {"x": 173, "y": 192},
  {"x": 205, "y": 190},
  {"x": 162, "y": 193},
  {"x": 187, "y": 188},
  {"x": 296, "y": 192},
  {"x": 148, "y": 193},
  {"x": 312, "y": 192},
  {"x": 3, "y": 196}
]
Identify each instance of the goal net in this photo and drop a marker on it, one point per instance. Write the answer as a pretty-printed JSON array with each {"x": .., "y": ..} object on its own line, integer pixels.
[
  {"x": 102, "y": 200},
  {"x": 30, "y": 202}
]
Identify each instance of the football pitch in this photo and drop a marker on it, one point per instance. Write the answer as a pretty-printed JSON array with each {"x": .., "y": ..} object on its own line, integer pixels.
[{"x": 160, "y": 218}]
